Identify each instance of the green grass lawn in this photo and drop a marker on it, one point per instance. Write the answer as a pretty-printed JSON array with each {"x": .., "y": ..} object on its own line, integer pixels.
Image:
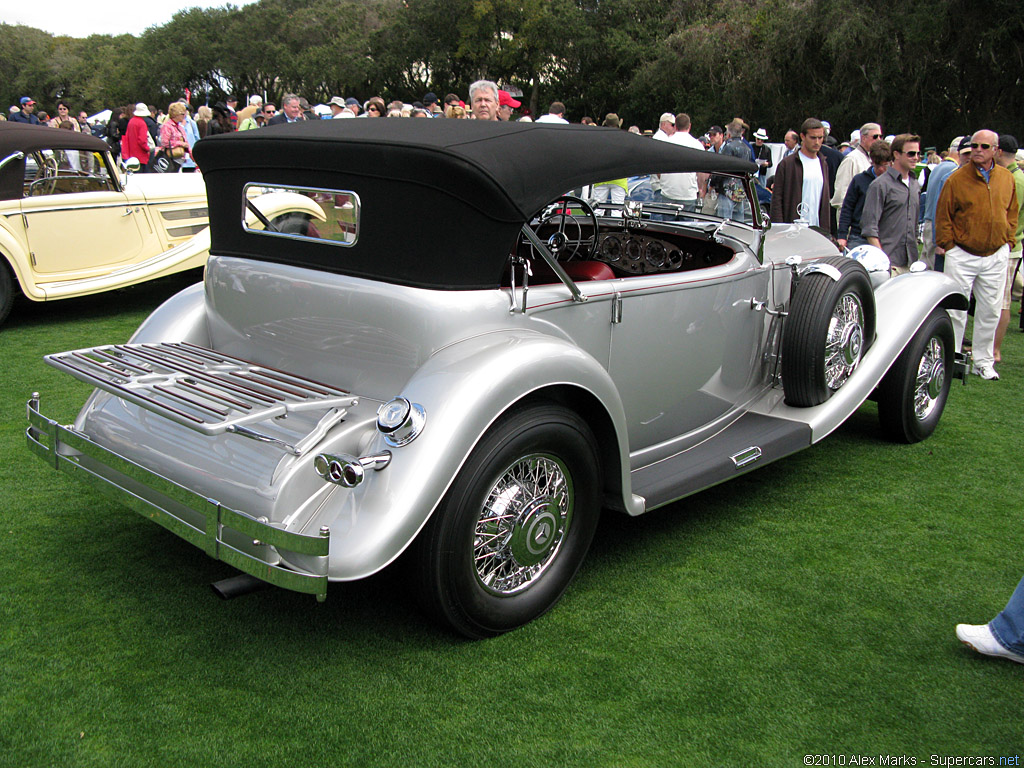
[{"x": 806, "y": 608}]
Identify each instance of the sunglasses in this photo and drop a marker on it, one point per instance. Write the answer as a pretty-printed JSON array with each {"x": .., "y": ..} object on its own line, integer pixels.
[
  {"x": 375, "y": 109},
  {"x": 269, "y": 111},
  {"x": 980, "y": 146},
  {"x": 912, "y": 153}
]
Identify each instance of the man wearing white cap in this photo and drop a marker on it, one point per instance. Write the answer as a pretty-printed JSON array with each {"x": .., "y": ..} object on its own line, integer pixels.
[
  {"x": 762, "y": 154},
  {"x": 666, "y": 126}
]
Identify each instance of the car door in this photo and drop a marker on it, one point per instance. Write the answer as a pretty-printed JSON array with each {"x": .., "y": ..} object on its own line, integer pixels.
[
  {"x": 78, "y": 234},
  {"x": 685, "y": 351}
]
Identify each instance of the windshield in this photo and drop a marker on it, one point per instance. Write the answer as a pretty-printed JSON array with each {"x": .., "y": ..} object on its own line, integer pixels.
[{"x": 680, "y": 197}]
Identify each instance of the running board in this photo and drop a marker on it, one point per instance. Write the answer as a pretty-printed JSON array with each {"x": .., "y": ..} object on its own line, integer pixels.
[{"x": 750, "y": 442}]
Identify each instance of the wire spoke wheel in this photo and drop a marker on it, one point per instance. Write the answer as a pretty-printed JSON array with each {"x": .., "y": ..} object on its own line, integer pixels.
[
  {"x": 913, "y": 393},
  {"x": 516, "y": 524},
  {"x": 845, "y": 342},
  {"x": 522, "y": 524},
  {"x": 829, "y": 327},
  {"x": 931, "y": 377}
]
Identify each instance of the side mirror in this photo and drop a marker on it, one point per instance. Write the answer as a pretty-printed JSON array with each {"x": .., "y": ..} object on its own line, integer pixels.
[{"x": 131, "y": 165}]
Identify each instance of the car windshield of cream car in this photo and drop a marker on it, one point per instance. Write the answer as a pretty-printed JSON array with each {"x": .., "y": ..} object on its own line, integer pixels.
[{"x": 455, "y": 347}]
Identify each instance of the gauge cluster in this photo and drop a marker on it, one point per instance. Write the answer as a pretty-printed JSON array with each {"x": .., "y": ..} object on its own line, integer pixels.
[{"x": 641, "y": 254}]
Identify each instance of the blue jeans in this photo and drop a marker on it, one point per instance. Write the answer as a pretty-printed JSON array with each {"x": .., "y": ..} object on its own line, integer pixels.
[
  {"x": 737, "y": 210},
  {"x": 1008, "y": 626}
]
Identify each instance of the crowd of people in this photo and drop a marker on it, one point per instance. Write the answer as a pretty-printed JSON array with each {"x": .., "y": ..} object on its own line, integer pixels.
[{"x": 956, "y": 211}]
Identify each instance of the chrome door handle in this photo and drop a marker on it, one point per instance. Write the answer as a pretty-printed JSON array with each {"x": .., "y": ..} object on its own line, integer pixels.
[{"x": 127, "y": 212}]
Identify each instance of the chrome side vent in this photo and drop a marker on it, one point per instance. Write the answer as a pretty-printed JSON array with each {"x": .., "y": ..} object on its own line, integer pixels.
[{"x": 746, "y": 457}]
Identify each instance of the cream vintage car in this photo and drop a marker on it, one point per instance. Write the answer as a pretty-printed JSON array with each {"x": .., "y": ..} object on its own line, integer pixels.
[{"x": 72, "y": 224}]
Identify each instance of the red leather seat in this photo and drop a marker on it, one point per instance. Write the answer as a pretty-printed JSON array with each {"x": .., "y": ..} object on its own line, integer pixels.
[{"x": 578, "y": 271}]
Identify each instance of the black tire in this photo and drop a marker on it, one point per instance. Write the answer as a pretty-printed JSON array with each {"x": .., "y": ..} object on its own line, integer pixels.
[
  {"x": 292, "y": 224},
  {"x": 829, "y": 327},
  {"x": 7, "y": 291},
  {"x": 913, "y": 393},
  {"x": 484, "y": 573}
]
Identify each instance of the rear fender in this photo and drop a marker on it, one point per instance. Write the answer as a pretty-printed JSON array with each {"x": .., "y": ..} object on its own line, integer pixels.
[
  {"x": 274, "y": 204},
  {"x": 464, "y": 389}
]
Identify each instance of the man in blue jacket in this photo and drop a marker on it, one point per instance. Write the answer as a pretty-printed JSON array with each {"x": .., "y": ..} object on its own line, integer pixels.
[{"x": 28, "y": 106}]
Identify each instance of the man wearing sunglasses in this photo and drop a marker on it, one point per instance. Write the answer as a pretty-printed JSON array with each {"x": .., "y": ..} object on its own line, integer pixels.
[
  {"x": 975, "y": 226},
  {"x": 856, "y": 161},
  {"x": 891, "y": 208}
]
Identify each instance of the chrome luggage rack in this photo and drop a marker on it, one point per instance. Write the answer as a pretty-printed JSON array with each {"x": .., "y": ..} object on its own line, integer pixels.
[{"x": 206, "y": 390}]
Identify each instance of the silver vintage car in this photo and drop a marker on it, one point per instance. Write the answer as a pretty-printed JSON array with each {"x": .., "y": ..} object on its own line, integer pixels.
[{"x": 460, "y": 360}]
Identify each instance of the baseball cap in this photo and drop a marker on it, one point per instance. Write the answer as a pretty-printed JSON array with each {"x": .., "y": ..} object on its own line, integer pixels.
[
  {"x": 1008, "y": 143},
  {"x": 667, "y": 116},
  {"x": 26, "y": 100},
  {"x": 965, "y": 144},
  {"x": 505, "y": 100}
]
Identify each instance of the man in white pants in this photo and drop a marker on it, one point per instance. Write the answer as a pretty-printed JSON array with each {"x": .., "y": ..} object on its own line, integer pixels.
[{"x": 975, "y": 225}]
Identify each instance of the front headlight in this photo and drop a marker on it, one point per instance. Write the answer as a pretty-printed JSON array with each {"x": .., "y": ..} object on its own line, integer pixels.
[{"x": 400, "y": 421}]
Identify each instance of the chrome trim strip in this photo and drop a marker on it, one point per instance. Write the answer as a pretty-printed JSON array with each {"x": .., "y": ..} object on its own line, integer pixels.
[
  {"x": 93, "y": 207},
  {"x": 217, "y": 530}
]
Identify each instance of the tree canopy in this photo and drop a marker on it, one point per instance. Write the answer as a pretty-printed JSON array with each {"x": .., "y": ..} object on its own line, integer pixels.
[{"x": 932, "y": 68}]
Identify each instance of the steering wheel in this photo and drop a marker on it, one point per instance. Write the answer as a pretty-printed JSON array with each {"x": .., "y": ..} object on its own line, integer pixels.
[
  {"x": 46, "y": 177},
  {"x": 561, "y": 244}
]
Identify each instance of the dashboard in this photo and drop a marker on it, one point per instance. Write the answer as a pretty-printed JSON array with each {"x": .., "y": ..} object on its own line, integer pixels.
[{"x": 641, "y": 254}]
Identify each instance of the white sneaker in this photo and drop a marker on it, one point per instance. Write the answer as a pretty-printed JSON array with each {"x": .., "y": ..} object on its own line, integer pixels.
[
  {"x": 980, "y": 638},
  {"x": 986, "y": 371}
]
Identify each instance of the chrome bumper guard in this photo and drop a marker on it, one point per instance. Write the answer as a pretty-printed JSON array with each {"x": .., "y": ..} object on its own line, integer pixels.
[{"x": 244, "y": 542}]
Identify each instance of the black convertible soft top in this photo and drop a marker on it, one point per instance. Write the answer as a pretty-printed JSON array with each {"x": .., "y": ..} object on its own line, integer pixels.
[
  {"x": 30, "y": 138},
  {"x": 441, "y": 200}
]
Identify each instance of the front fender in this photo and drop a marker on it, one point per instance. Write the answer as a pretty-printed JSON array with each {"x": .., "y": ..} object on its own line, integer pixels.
[
  {"x": 464, "y": 389},
  {"x": 15, "y": 250},
  {"x": 901, "y": 304}
]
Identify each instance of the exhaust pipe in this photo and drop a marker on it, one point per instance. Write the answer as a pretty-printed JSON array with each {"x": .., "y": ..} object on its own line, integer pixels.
[{"x": 242, "y": 584}]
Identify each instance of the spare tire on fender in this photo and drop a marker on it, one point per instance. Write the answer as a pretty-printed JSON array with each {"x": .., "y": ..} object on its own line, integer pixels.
[{"x": 831, "y": 323}]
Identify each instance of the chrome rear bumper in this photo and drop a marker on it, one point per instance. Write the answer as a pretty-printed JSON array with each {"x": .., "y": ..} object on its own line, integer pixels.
[{"x": 249, "y": 544}]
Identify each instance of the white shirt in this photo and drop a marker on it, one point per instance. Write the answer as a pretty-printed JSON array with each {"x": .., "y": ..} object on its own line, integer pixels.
[
  {"x": 855, "y": 162},
  {"x": 813, "y": 184},
  {"x": 681, "y": 186},
  {"x": 551, "y": 119}
]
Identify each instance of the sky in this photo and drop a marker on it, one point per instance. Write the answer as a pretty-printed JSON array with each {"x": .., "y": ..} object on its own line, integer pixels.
[{"x": 81, "y": 18}]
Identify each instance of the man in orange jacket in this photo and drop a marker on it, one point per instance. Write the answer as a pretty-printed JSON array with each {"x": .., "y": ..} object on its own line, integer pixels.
[{"x": 975, "y": 225}]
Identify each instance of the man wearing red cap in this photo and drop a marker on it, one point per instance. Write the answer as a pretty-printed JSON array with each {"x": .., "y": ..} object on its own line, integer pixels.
[
  {"x": 28, "y": 106},
  {"x": 505, "y": 105}
]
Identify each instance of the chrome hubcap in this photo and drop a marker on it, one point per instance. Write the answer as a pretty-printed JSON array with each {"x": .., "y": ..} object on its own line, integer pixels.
[
  {"x": 931, "y": 377},
  {"x": 845, "y": 341},
  {"x": 522, "y": 524}
]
